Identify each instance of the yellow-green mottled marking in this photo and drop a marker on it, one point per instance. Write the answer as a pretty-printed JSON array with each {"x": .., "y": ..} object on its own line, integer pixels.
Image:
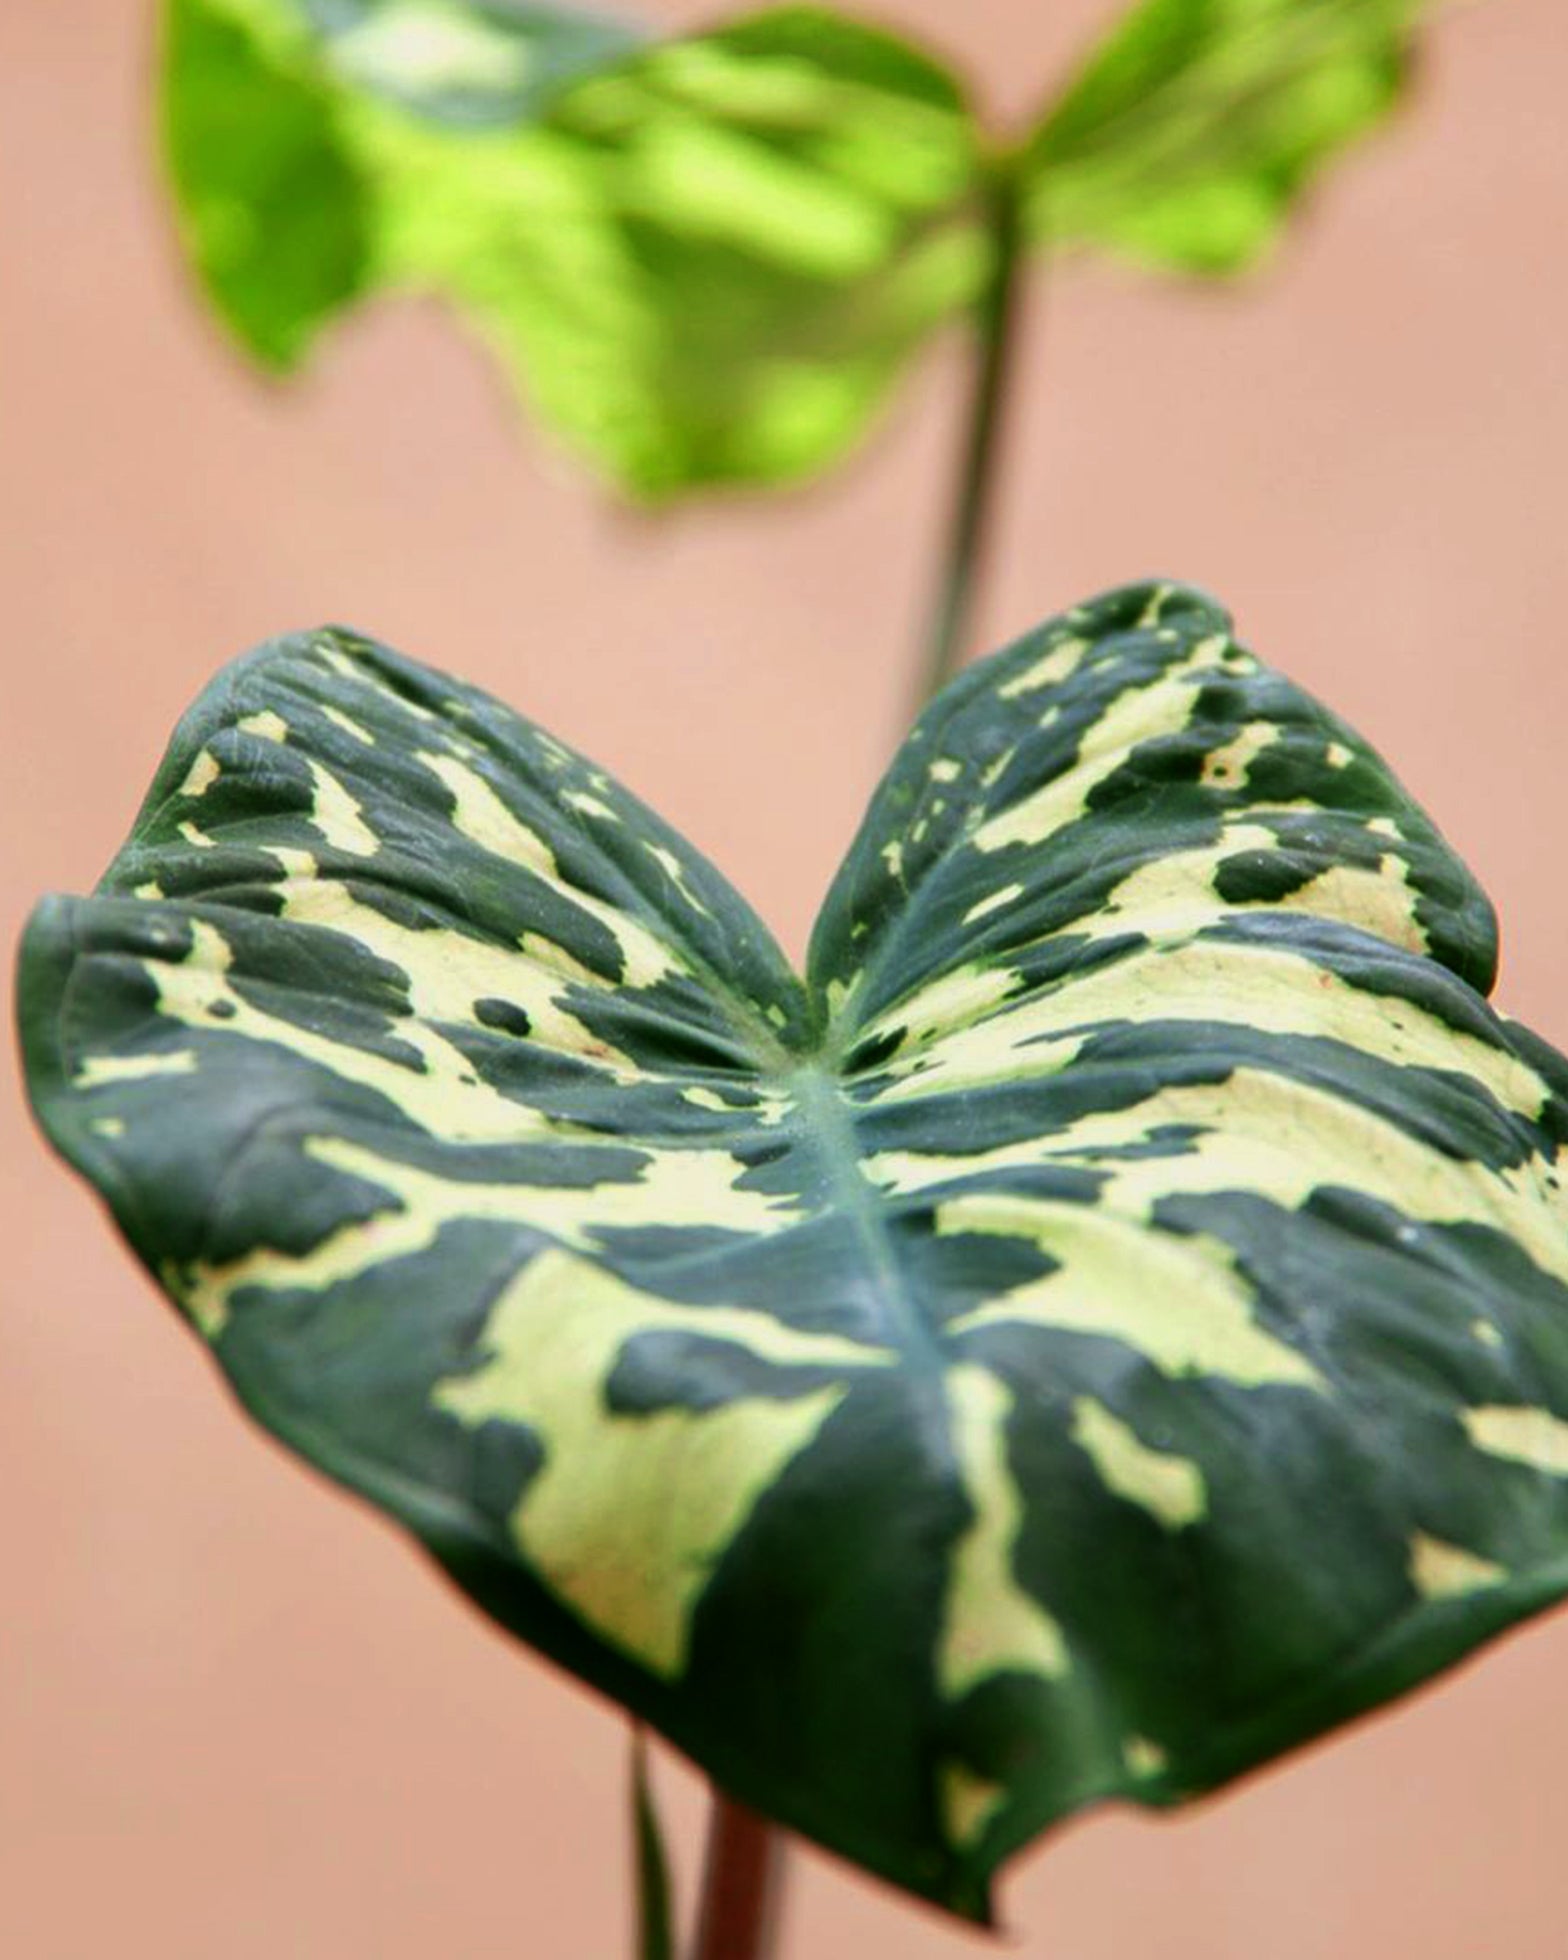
[
  {"x": 1136, "y": 715},
  {"x": 628, "y": 1516},
  {"x": 991, "y": 1624},
  {"x": 840, "y": 993},
  {"x": 589, "y": 806},
  {"x": 1143, "y": 1757},
  {"x": 1168, "y": 1487},
  {"x": 1175, "y": 895},
  {"x": 953, "y": 1000},
  {"x": 437, "y": 1089},
  {"x": 349, "y": 726},
  {"x": 336, "y": 814},
  {"x": 969, "y": 1803},
  {"x": 1381, "y": 901},
  {"x": 199, "y": 838},
  {"x": 1531, "y": 1436},
  {"x": 479, "y": 813},
  {"x": 564, "y": 965},
  {"x": 1227, "y": 767},
  {"x": 993, "y": 772},
  {"x": 993, "y": 903},
  {"x": 1440, "y": 1571},
  {"x": 107, "y": 1126},
  {"x": 1275, "y": 1137},
  {"x": 687, "y": 1183},
  {"x": 364, "y": 675},
  {"x": 97, "y": 1071},
  {"x": 1337, "y": 756},
  {"x": 1267, "y": 988},
  {"x": 1157, "y": 602},
  {"x": 201, "y": 775},
  {"x": 151, "y": 889},
  {"x": 675, "y": 871},
  {"x": 946, "y": 770},
  {"x": 267, "y": 725},
  {"x": 448, "y": 971},
  {"x": 1486, "y": 1333},
  {"x": 1118, "y": 1279},
  {"x": 1050, "y": 670}
]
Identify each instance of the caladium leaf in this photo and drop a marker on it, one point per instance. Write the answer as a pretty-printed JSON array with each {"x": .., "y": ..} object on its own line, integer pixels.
[
  {"x": 1191, "y": 132},
  {"x": 1104, "y": 1325}
]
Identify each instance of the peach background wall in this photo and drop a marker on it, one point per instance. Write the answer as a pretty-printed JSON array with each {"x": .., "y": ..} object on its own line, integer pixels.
[{"x": 238, "y": 1719}]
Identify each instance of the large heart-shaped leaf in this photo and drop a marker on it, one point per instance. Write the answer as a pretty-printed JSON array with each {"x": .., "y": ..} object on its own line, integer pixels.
[{"x": 1105, "y": 1325}]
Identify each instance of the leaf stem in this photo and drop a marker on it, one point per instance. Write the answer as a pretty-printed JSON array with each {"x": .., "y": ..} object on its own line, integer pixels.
[
  {"x": 651, "y": 1872},
  {"x": 995, "y": 323},
  {"x": 740, "y": 1885}
]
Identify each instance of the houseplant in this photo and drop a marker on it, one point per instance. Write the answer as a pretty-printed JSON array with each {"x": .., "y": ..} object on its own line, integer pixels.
[{"x": 1118, "y": 619}]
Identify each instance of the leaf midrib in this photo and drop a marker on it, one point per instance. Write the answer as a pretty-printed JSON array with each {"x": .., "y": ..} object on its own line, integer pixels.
[{"x": 830, "y": 1129}]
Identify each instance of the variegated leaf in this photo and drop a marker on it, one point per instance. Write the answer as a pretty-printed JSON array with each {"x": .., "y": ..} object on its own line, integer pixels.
[{"x": 1105, "y": 1325}]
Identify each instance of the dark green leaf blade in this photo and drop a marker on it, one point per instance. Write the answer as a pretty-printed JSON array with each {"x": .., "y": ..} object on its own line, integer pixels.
[
  {"x": 1109, "y": 1325},
  {"x": 1148, "y": 977},
  {"x": 1191, "y": 133}
]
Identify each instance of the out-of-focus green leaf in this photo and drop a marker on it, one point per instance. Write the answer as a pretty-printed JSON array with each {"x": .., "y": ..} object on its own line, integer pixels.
[
  {"x": 473, "y": 64},
  {"x": 709, "y": 264},
  {"x": 268, "y": 111},
  {"x": 274, "y": 211},
  {"x": 703, "y": 263},
  {"x": 1189, "y": 134}
]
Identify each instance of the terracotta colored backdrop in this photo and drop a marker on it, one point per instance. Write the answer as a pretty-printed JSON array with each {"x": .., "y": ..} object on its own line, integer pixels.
[{"x": 238, "y": 1719}]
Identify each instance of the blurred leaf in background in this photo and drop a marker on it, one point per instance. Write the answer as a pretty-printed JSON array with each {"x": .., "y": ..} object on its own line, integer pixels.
[
  {"x": 706, "y": 260},
  {"x": 1187, "y": 137},
  {"x": 710, "y": 262}
]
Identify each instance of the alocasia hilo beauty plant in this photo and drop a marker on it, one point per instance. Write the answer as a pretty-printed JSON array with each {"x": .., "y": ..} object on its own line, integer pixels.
[{"x": 909, "y": 1385}]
